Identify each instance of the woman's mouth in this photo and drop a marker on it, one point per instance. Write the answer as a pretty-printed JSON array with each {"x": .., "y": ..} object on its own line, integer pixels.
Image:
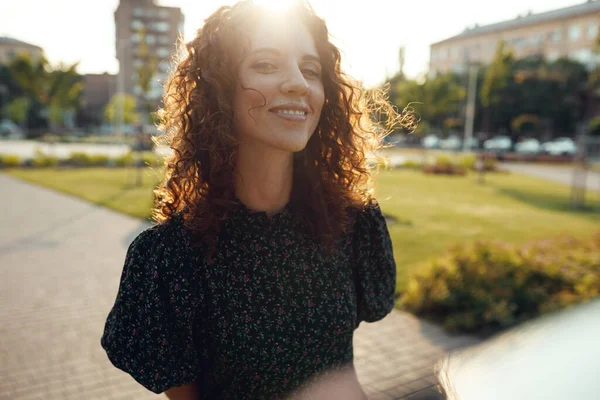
[{"x": 291, "y": 115}]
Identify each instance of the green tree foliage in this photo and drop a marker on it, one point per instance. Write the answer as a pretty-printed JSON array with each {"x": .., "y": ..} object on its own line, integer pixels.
[
  {"x": 440, "y": 97},
  {"x": 54, "y": 88},
  {"x": 146, "y": 72},
  {"x": 18, "y": 109},
  {"x": 124, "y": 102}
]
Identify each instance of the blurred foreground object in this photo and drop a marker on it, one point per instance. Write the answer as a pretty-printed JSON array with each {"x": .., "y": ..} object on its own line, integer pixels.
[
  {"x": 334, "y": 384},
  {"x": 554, "y": 357}
]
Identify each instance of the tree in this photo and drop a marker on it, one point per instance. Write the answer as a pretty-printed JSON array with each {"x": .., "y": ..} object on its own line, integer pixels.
[
  {"x": 124, "y": 102},
  {"x": 145, "y": 72},
  {"x": 436, "y": 99},
  {"x": 495, "y": 91},
  {"x": 54, "y": 88},
  {"x": 18, "y": 109}
]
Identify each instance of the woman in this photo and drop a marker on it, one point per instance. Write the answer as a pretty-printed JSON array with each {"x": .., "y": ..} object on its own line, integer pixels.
[{"x": 269, "y": 250}]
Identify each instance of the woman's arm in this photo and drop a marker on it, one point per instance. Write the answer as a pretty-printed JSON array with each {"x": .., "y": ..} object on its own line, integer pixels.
[{"x": 185, "y": 392}]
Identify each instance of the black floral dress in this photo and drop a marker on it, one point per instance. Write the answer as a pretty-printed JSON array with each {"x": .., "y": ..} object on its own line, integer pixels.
[{"x": 270, "y": 310}]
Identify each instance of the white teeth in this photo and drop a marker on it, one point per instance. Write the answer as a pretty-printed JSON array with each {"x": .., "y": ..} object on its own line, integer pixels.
[{"x": 291, "y": 112}]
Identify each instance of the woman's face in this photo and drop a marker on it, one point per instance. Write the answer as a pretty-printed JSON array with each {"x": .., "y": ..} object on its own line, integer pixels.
[{"x": 282, "y": 65}]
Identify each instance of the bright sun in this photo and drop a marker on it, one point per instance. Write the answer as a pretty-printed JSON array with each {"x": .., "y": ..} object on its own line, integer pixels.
[{"x": 274, "y": 5}]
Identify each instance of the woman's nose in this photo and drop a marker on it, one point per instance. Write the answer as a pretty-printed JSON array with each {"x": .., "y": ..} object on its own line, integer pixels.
[{"x": 295, "y": 82}]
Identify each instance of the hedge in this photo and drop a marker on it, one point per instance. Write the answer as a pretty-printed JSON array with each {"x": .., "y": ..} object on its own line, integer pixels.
[{"x": 485, "y": 287}]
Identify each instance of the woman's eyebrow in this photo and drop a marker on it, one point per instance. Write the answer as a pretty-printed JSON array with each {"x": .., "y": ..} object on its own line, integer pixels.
[
  {"x": 306, "y": 57},
  {"x": 310, "y": 57}
]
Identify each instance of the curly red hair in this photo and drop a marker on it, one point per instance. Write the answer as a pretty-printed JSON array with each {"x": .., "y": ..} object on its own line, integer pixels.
[{"x": 331, "y": 175}]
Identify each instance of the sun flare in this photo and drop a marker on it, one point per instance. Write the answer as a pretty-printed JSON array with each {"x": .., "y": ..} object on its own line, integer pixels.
[{"x": 275, "y": 6}]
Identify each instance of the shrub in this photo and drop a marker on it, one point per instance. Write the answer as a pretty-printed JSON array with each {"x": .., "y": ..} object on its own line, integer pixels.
[
  {"x": 9, "y": 161},
  {"x": 490, "y": 165},
  {"x": 98, "y": 160},
  {"x": 124, "y": 160},
  {"x": 152, "y": 159},
  {"x": 468, "y": 162},
  {"x": 412, "y": 164},
  {"x": 444, "y": 165},
  {"x": 489, "y": 286},
  {"x": 79, "y": 159},
  {"x": 42, "y": 160}
]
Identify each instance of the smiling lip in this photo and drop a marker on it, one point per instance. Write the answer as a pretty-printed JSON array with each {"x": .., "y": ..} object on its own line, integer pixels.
[{"x": 280, "y": 111}]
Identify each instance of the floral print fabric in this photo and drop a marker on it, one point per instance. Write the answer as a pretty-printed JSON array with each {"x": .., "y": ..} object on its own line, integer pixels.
[{"x": 270, "y": 311}]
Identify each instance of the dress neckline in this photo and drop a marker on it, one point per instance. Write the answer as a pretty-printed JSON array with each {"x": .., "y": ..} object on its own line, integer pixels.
[{"x": 244, "y": 210}]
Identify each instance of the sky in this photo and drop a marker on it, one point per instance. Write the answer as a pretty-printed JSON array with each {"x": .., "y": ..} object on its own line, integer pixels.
[{"x": 369, "y": 32}]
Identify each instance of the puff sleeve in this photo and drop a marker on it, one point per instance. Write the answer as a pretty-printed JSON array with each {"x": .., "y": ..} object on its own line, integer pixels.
[
  {"x": 149, "y": 332},
  {"x": 374, "y": 267}
]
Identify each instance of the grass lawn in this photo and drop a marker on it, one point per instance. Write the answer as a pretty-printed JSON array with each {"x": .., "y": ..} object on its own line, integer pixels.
[
  {"x": 434, "y": 211},
  {"x": 113, "y": 188}
]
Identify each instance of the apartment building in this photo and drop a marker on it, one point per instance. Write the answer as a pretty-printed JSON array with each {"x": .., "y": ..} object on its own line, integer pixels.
[
  {"x": 96, "y": 94},
  {"x": 161, "y": 25},
  {"x": 570, "y": 32},
  {"x": 11, "y": 48}
]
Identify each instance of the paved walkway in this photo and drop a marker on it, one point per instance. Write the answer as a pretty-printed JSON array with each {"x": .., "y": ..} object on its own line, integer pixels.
[
  {"x": 61, "y": 259},
  {"x": 556, "y": 173}
]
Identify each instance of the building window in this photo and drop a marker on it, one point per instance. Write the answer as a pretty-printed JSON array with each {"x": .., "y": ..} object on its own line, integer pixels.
[
  {"x": 151, "y": 40},
  {"x": 163, "y": 13},
  {"x": 163, "y": 67},
  {"x": 583, "y": 56},
  {"x": 135, "y": 38},
  {"x": 552, "y": 56},
  {"x": 574, "y": 33},
  {"x": 136, "y": 25},
  {"x": 164, "y": 40},
  {"x": 161, "y": 26},
  {"x": 555, "y": 36},
  {"x": 163, "y": 52},
  {"x": 138, "y": 12},
  {"x": 180, "y": 27},
  {"x": 592, "y": 31}
]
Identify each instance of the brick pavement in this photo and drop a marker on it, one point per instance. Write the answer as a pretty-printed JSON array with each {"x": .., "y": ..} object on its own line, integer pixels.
[{"x": 61, "y": 259}]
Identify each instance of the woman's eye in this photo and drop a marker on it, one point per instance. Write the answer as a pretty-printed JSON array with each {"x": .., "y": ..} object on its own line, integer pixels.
[
  {"x": 265, "y": 66},
  {"x": 311, "y": 72}
]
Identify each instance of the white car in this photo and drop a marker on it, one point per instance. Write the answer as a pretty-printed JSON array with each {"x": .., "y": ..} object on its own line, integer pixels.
[
  {"x": 498, "y": 143},
  {"x": 430, "y": 142},
  {"x": 528, "y": 146},
  {"x": 560, "y": 146},
  {"x": 453, "y": 142}
]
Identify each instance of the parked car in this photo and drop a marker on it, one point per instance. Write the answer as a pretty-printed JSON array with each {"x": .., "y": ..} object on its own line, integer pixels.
[
  {"x": 498, "y": 143},
  {"x": 473, "y": 143},
  {"x": 528, "y": 146},
  {"x": 559, "y": 147},
  {"x": 453, "y": 142},
  {"x": 431, "y": 142},
  {"x": 10, "y": 130}
]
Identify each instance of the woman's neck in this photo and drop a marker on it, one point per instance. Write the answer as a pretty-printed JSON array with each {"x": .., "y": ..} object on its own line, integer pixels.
[{"x": 264, "y": 177}]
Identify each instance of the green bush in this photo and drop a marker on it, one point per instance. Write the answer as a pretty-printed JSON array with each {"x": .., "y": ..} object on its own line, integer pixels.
[
  {"x": 468, "y": 162},
  {"x": 412, "y": 164},
  {"x": 98, "y": 160},
  {"x": 42, "y": 160},
  {"x": 124, "y": 160},
  {"x": 444, "y": 165},
  {"x": 152, "y": 159},
  {"x": 79, "y": 159},
  {"x": 490, "y": 286},
  {"x": 9, "y": 161}
]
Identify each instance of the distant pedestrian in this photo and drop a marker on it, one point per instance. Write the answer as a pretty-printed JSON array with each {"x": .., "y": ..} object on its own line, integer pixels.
[{"x": 270, "y": 248}]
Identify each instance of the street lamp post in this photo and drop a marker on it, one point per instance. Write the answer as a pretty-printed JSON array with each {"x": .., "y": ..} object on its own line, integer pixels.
[
  {"x": 470, "y": 109},
  {"x": 122, "y": 44}
]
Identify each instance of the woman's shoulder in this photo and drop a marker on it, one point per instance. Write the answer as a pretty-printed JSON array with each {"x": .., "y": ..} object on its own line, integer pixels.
[
  {"x": 163, "y": 246},
  {"x": 367, "y": 215}
]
